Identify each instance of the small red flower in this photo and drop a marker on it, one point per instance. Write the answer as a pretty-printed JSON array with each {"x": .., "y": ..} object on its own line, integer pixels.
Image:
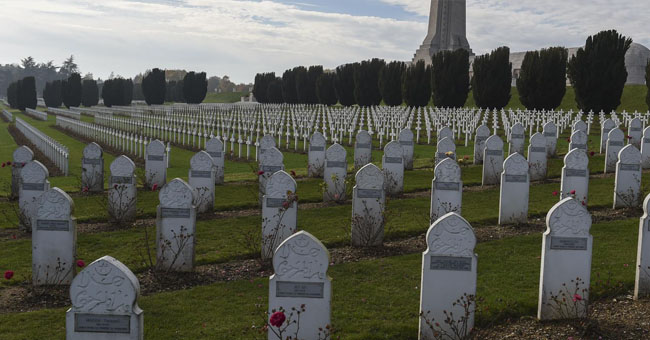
[
  {"x": 4, "y": 164},
  {"x": 277, "y": 319},
  {"x": 592, "y": 153},
  {"x": 13, "y": 236},
  {"x": 260, "y": 173},
  {"x": 9, "y": 274},
  {"x": 154, "y": 187},
  {"x": 573, "y": 192},
  {"x": 583, "y": 203},
  {"x": 85, "y": 189},
  {"x": 577, "y": 297},
  {"x": 466, "y": 157},
  {"x": 8, "y": 163},
  {"x": 285, "y": 204},
  {"x": 81, "y": 263},
  {"x": 554, "y": 193},
  {"x": 293, "y": 173},
  {"x": 23, "y": 164},
  {"x": 115, "y": 187},
  {"x": 568, "y": 140},
  {"x": 629, "y": 137}
]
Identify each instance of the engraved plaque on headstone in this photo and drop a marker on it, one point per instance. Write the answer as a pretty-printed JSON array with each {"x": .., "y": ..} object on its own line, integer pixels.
[
  {"x": 549, "y": 134},
  {"x": 580, "y": 146},
  {"x": 155, "y": 158},
  {"x": 606, "y": 131},
  {"x": 481, "y": 139},
  {"x": 316, "y": 148},
  {"x": 516, "y": 178},
  {"x": 494, "y": 152},
  {"x": 91, "y": 161},
  {"x": 516, "y": 136},
  {"x": 635, "y": 129},
  {"x": 538, "y": 149},
  {"x": 275, "y": 202},
  {"x": 646, "y": 140},
  {"x": 369, "y": 193},
  {"x": 331, "y": 164},
  {"x": 201, "y": 174},
  {"x": 463, "y": 264},
  {"x": 450, "y": 186},
  {"x": 175, "y": 213},
  {"x": 312, "y": 290},
  {"x": 121, "y": 180},
  {"x": 271, "y": 168},
  {"x": 442, "y": 155},
  {"x": 363, "y": 145},
  {"x": 568, "y": 243},
  {"x": 100, "y": 323},
  {"x": 406, "y": 143},
  {"x": 52, "y": 225},
  {"x": 34, "y": 186},
  {"x": 215, "y": 154},
  {"x": 630, "y": 167},
  {"x": 393, "y": 160},
  {"x": 615, "y": 143},
  {"x": 575, "y": 173}
]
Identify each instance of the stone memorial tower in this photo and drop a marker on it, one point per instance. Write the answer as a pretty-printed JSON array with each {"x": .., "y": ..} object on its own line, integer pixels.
[{"x": 447, "y": 29}]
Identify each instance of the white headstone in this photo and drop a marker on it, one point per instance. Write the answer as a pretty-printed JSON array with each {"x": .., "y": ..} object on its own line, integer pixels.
[
  {"x": 155, "y": 164},
  {"x": 54, "y": 238},
  {"x": 627, "y": 186},
  {"x": 492, "y": 160},
  {"x": 446, "y": 190},
  {"x": 515, "y": 185},
  {"x": 271, "y": 161},
  {"x": 448, "y": 275},
  {"x": 517, "y": 139},
  {"x": 482, "y": 134},
  {"x": 615, "y": 142},
  {"x": 279, "y": 212},
  {"x": 642, "y": 281},
  {"x": 300, "y": 264},
  {"x": 368, "y": 204},
  {"x": 201, "y": 178},
  {"x": 393, "y": 166},
  {"x": 176, "y": 226},
  {"x": 336, "y": 168},
  {"x": 579, "y": 126},
  {"x": 122, "y": 192},
  {"x": 645, "y": 149},
  {"x": 537, "y": 157},
  {"x": 578, "y": 140},
  {"x": 362, "y": 149},
  {"x": 104, "y": 299},
  {"x": 635, "y": 132},
  {"x": 445, "y": 149},
  {"x": 33, "y": 183},
  {"x": 607, "y": 126},
  {"x": 316, "y": 156},
  {"x": 550, "y": 133},
  {"x": 92, "y": 168},
  {"x": 445, "y": 132},
  {"x": 565, "y": 273},
  {"x": 214, "y": 147},
  {"x": 267, "y": 142},
  {"x": 21, "y": 156},
  {"x": 406, "y": 141},
  {"x": 575, "y": 176}
]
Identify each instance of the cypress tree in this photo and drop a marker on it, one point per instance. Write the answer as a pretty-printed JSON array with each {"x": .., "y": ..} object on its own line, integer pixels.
[
  {"x": 289, "y": 86},
  {"x": 325, "y": 89},
  {"x": 492, "y": 80},
  {"x": 90, "y": 93},
  {"x": 27, "y": 94},
  {"x": 71, "y": 91},
  {"x": 154, "y": 87},
  {"x": 12, "y": 95},
  {"x": 52, "y": 94},
  {"x": 366, "y": 82},
  {"x": 450, "y": 78},
  {"x": 416, "y": 85},
  {"x": 390, "y": 83},
  {"x": 542, "y": 81},
  {"x": 598, "y": 73},
  {"x": 107, "y": 92},
  {"x": 344, "y": 84},
  {"x": 262, "y": 81},
  {"x": 274, "y": 91},
  {"x": 195, "y": 87},
  {"x": 302, "y": 80}
]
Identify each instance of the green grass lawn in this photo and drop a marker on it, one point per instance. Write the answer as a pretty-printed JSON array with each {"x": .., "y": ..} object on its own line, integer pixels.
[{"x": 228, "y": 97}]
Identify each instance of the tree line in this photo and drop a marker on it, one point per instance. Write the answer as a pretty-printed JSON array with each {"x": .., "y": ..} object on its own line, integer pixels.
[{"x": 597, "y": 72}]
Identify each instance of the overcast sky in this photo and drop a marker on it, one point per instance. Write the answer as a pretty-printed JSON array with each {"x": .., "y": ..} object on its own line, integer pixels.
[{"x": 240, "y": 38}]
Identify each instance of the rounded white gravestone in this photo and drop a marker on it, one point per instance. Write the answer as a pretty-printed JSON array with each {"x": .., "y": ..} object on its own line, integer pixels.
[
  {"x": 336, "y": 169},
  {"x": 406, "y": 141},
  {"x": 627, "y": 185},
  {"x": 575, "y": 176},
  {"x": 316, "y": 156},
  {"x": 642, "y": 281},
  {"x": 176, "y": 226},
  {"x": 393, "y": 164},
  {"x": 214, "y": 148},
  {"x": 607, "y": 126},
  {"x": 155, "y": 164},
  {"x": 104, "y": 299},
  {"x": 445, "y": 149},
  {"x": 368, "y": 204},
  {"x": 446, "y": 189},
  {"x": 517, "y": 139},
  {"x": 482, "y": 134},
  {"x": 271, "y": 161},
  {"x": 279, "y": 212},
  {"x": 492, "y": 160},
  {"x": 537, "y": 157},
  {"x": 122, "y": 193},
  {"x": 362, "y": 149},
  {"x": 21, "y": 156},
  {"x": 33, "y": 183},
  {"x": 201, "y": 178},
  {"x": 515, "y": 185},
  {"x": 550, "y": 133},
  {"x": 92, "y": 165}
]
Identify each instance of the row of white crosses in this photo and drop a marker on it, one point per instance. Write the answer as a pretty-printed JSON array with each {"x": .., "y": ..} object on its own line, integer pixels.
[
  {"x": 63, "y": 112},
  {"x": 38, "y": 115},
  {"x": 53, "y": 150}
]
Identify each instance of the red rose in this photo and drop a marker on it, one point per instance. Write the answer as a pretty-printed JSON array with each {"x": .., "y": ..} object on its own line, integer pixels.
[
  {"x": 260, "y": 173},
  {"x": 554, "y": 193},
  {"x": 85, "y": 189},
  {"x": 81, "y": 263},
  {"x": 277, "y": 319},
  {"x": 573, "y": 192},
  {"x": 592, "y": 153},
  {"x": 8, "y": 163},
  {"x": 4, "y": 164},
  {"x": 577, "y": 297},
  {"x": 568, "y": 140},
  {"x": 293, "y": 173},
  {"x": 154, "y": 187},
  {"x": 9, "y": 274},
  {"x": 285, "y": 204},
  {"x": 115, "y": 187}
]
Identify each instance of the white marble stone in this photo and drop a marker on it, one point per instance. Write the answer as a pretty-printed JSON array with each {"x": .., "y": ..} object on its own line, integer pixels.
[
  {"x": 645, "y": 149},
  {"x": 104, "y": 298},
  {"x": 448, "y": 274},
  {"x": 627, "y": 185},
  {"x": 33, "y": 183},
  {"x": 270, "y": 161},
  {"x": 515, "y": 185},
  {"x": 642, "y": 280},
  {"x": 368, "y": 204},
  {"x": 393, "y": 166},
  {"x": 446, "y": 190},
  {"x": 579, "y": 126},
  {"x": 445, "y": 149},
  {"x": 176, "y": 226},
  {"x": 92, "y": 168},
  {"x": 316, "y": 156},
  {"x": 550, "y": 133},
  {"x": 635, "y": 131},
  {"x": 214, "y": 147},
  {"x": 279, "y": 212},
  {"x": 407, "y": 143},
  {"x": 566, "y": 256},
  {"x": 155, "y": 164},
  {"x": 123, "y": 191},
  {"x": 575, "y": 176},
  {"x": 482, "y": 134},
  {"x": 492, "y": 161},
  {"x": 445, "y": 132},
  {"x": 201, "y": 177},
  {"x": 615, "y": 142},
  {"x": 21, "y": 156},
  {"x": 54, "y": 239},
  {"x": 362, "y": 149},
  {"x": 537, "y": 157},
  {"x": 578, "y": 140},
  {"x": 336, "y": 169},
  {"x": 607, "y": 126},
  {"x": 266, "y": 142},
  {"x": 517, "y": 139},
  {"x": 300, "y": 278}
]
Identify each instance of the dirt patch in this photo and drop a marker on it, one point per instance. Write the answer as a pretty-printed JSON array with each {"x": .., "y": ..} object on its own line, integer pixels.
[{"x": 20, "y": 139}]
